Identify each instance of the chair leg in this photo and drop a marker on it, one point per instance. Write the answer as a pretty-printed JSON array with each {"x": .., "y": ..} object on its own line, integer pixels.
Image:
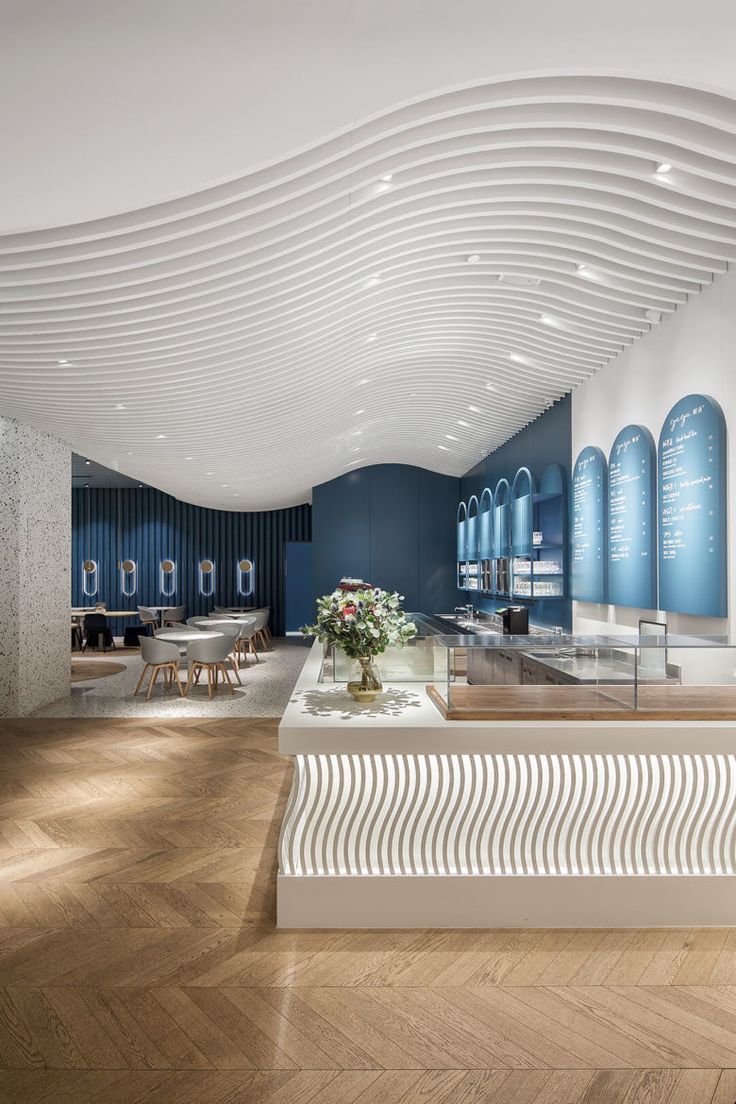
[
  {"x": 140, "y": 680},
  {"x": 178, "y": 680},
  {"x": 194, "y": 667},
  {"x": 154, "y": 676},
  {"x": 254, "y": 650},
  {"x": 210, "y": 687},
  {"x": 234, "y": 666},
  {"x": 226, "y": 676}
]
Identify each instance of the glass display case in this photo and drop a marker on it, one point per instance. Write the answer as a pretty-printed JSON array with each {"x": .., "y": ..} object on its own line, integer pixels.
[{"x": 554, "y": 676}]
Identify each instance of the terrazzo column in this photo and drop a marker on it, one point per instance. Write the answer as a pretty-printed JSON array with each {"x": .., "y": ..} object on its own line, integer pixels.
[{"x": 35, "y": 554}]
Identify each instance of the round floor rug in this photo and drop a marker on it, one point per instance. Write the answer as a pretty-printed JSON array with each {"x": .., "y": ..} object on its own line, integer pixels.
[{"x": 85, "y": 669}]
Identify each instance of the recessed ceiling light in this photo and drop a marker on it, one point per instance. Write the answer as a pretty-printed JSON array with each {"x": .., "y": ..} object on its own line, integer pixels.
[
  {"x": 88, "y": 461},
  {"x": 358, "y": 433},
  {"x": 62, "y": 362},
  {"x": 209, "y": 473},
  {"x": 236, "y": 494},
  {"x": 449, "y": 437},
  {"x": 356, "y": 449},
  {"x": 473, "y": 258},
  {"x": 516, "y": 279},
  {"x": 160, "y": 436},
  {"x": 357, "y": 412},
  {"x": 120, "y": 406},
  {"x": 188, "y": 457},
  {"x": 387, "y": 178},
  {"x": 371, "y": 337},
  {"x": 373, "y": 280},
  {"x": 653, "y": 316},
  {"x": 358, "y": 461},
  {"x": 549, "y": 320},
  {"x": 86, "y": 484},
  {"x": 489, "y": 387},
  {"x": 475, "y": 409},
  {"x": 587, "y": 272},
  {"x": 518, "y": 358},
  {"x": 460, "y": 422},
  {"x": 663, "y": 167},
  {"x": 363, "y": 382},
  {"x": 140, "y": 486},
  {"x": 130, "y": 453},
  {"x": 224, "y": 484},
  {"x": 443, "y": 447}
]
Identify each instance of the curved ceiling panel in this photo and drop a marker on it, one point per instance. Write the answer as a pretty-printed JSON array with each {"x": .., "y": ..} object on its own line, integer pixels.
[{"x": 413, "y": 291}]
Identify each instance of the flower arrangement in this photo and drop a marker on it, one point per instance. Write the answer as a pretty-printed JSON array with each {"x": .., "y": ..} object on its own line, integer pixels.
[{"x": 363, "y": 621}]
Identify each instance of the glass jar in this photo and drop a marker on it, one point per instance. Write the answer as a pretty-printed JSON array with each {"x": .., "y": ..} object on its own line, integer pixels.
[{"x": 364, "y": 682}]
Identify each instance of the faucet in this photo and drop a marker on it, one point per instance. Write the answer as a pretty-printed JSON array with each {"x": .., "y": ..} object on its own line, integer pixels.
[{"x": 468, "y": 610}]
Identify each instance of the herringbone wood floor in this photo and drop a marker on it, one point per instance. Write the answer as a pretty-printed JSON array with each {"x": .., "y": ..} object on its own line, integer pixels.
[{"x": 139, "y": 961}]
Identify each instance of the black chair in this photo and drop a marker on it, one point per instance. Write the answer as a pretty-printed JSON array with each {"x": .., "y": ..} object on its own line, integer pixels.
[
  {"x": 96, "y": 626},
  {"x": 77, "y": 640},
  {"x": 133, "y": 634}
]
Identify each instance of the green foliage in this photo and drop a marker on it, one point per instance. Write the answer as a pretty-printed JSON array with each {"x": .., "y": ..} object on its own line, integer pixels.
[{"x": 362, "y": 622}]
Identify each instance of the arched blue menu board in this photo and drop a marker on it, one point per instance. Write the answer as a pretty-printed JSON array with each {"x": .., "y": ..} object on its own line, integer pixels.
[
  {"x": 589, "y": 487},
  {"x": 693, "y": 561},
  {"x": 632, "y": 519}
]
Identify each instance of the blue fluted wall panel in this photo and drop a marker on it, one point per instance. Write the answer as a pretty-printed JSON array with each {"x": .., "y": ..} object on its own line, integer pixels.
[{"x": 114, "y": 524}]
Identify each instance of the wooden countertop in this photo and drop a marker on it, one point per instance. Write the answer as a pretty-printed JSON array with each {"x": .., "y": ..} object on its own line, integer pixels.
[{"x": 581, "y": 702}]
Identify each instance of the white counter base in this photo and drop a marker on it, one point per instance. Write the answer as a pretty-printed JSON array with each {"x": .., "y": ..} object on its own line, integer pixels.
[
  {"x": 528, "y": 901},
  {"x": 398, "y": 818}
]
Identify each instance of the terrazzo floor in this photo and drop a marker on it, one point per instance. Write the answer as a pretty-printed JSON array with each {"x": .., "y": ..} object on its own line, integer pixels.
[{"x": 266, "y": 689}]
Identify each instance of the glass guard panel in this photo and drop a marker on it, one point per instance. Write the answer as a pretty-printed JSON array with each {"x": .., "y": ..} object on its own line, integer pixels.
[{"x": 541, "y": 680}]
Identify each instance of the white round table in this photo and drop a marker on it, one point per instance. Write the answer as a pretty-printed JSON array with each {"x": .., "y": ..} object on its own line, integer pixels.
[
  {"x": 185, "y": 636},
  {"x": 230, "y": 621}
]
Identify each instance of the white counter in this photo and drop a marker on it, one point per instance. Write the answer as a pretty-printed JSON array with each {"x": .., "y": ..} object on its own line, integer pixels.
[
  {"x": 397, "y": 817},
  {"x": 322, "y": 718}
]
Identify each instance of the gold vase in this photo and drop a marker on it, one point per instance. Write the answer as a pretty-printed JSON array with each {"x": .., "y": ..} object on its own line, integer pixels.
[{"x": 364, "y": 683}]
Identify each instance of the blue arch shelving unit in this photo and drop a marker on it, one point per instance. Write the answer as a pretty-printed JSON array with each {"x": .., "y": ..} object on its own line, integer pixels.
[
  {"x": 472, "y": 574},
  {"x": 501, "y": 575},
  {"x": 549, "y": 536},
  {"x": 485, "y": 540},
  {"x": 462, "y": 546},
  {"x": 522, "y": 528}
]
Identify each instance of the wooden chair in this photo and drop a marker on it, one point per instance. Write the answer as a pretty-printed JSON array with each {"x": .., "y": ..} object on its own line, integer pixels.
[
  {"x": 210, "y": 656},
  {"x": 174, "y": 616},
  {"x": 148, "y": 617},
  {"x": 159, "y": 655},
  {"x": 246, "y": 644}
]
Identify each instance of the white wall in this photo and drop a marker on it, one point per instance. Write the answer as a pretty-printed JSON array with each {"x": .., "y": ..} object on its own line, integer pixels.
[
  {"x": 106, "y": 106},
  {"x": 35, "y": 554},
  {"x": 692, "y": 351}
]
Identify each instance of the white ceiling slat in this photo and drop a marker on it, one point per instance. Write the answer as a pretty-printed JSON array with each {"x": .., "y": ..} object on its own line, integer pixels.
[{"x": 281, "y": 326}]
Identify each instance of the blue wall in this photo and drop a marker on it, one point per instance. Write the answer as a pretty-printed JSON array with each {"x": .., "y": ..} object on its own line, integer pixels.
[
  {"x": 547, "y": 440},
  {"x": 392, "y": 525},
  {"x": 113, "y": 524}
]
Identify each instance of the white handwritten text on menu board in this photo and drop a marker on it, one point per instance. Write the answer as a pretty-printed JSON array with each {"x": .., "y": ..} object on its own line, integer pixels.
[
  {"x": 692, "y": 509},
  {"x": 588, "y": 521}
]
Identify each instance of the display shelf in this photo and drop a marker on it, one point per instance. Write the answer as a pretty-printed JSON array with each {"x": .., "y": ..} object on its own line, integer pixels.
[{"x": 496, "y": 536}]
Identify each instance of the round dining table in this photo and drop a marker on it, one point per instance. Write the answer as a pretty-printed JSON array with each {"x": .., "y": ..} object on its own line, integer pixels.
[{"x": 185, "y": 636}]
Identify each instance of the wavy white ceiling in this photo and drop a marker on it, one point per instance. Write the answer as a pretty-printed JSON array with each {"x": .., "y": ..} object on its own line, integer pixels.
[{"x": 240, "y": 345}]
